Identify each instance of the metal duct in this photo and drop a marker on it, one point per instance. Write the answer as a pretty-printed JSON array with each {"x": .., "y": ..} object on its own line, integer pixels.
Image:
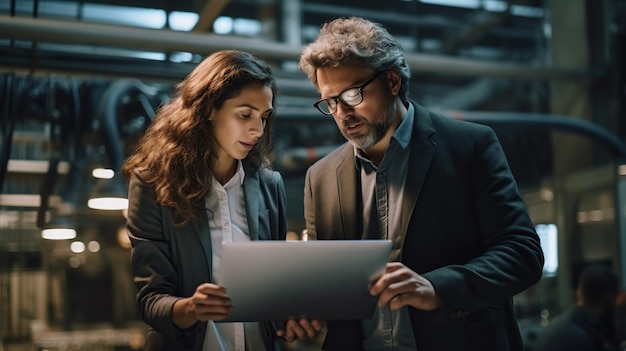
[
  {"x": 595, "y": 132},
  {"x": 72, "y": 32},
  {"x": 107, "y": 116}
]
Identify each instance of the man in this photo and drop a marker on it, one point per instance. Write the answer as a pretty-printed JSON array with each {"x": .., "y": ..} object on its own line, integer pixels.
[
  {"x": 590, "y": 324},
  {"x": 440, "y": 189}
]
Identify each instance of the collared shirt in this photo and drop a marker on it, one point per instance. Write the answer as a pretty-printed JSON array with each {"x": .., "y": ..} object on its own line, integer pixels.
[
  {"x": 382, "y": 189},
  {"x": 228, "y": 222}
]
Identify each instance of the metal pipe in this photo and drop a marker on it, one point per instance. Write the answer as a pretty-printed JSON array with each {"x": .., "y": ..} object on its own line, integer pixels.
[
  {"x": 73, "y": 32},
  {"x": 545, "y": 120}
]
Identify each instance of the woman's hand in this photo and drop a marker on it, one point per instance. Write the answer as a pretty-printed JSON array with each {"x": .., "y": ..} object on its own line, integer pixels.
[{"x": 209, "y": 302}]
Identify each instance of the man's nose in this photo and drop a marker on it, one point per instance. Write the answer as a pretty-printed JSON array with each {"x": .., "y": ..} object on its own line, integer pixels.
[{"x": 343, "y": 110}]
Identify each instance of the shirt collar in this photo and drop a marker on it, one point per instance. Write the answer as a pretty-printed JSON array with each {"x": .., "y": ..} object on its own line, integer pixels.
[
  {"x": 240, "y": 172},
  {"x": 237, "y": 178},
  {"x": 405, "y": 129}
]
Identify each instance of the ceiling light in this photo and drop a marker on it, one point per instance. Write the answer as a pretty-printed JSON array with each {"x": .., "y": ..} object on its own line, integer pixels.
[
  {"x": 59, "y": 228},
  {"x": 58, "y": 233},
  {"x": 109, "y": 194},
  {"x": 103, "y": 173}
]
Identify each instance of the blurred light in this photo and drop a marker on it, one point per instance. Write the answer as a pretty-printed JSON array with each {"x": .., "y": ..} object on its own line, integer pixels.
[
  {"x": 597, "y": 215},
  {"x": 490, "y": 5},
  {"x": 77, "y": 247},
  {"x": 245, "y": 26},
  {"x": 122, "y": 238},
  {"x": 134, "y": 16},
  {"x": 548, "y": 237},
  {"x": 93, "y": 246},
  {"x": 103, "y": 173},
  {"x": 109, "y": 194},
  {"x": 546, "y": 194},
  {"x": 621, "y": 170},
  {"x": 223, "y": 25},
  {"x": 470, "y": 4},
  {"x": 495, "y": 6},
  {"x": 58, "y": 233},
  {"x": 526, "y": 11},
  {"x": 179, "y": 57},
  {"x": 74, "y": 262},
  {"x": 108, "y": 203},
  {"x": 183, "y": 21}
]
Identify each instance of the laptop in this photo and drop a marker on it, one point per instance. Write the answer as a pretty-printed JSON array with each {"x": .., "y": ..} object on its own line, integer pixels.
[{"x": 324, "y": 280}]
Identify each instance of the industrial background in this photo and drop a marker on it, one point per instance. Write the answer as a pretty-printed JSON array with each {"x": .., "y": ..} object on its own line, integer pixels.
[{"x": 81, "y": 80}]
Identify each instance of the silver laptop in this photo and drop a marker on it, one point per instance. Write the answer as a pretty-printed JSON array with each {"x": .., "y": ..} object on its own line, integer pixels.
[{"x": 325, "y": 280}]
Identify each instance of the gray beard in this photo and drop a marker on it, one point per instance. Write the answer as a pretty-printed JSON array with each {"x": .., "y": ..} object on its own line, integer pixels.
[{"x": 376, "y": 131}]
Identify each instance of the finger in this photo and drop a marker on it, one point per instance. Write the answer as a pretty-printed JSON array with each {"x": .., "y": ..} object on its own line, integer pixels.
[
  {"x": 318, "y": 325},
  {"x": 400, "y": 301},
  {"x": 308, "y": 328},
  {"x": 381, "y": 284},
  {"x": 396, "y": 272},
  {"x": 214, "y": 314},
  {"x": 396, "y": 289},
  {"x": 210, "y": 301},
  {"x": 212, "y": 309},
  {"x": 393, "y": 266},
  {"x": 212, "y": 289},
  {"x": 290, "y": 334},
  {"x": 298, "y": 330}
]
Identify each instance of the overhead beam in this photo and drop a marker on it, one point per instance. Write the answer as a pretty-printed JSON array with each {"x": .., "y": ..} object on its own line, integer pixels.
[
  {"x": 74, "y": 32},
  {"x": 209, "y": 12},
  {"x": 475, "y": 29}
]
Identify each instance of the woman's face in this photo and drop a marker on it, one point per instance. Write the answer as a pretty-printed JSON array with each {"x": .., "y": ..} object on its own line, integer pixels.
[{"x": 240, "y": 122}]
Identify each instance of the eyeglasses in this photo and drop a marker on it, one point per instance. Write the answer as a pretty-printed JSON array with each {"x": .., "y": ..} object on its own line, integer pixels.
[{"x": 349, "y": 97}]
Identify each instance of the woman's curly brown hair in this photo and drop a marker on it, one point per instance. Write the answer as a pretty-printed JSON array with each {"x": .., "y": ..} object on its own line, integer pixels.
[{"x": 174, "y": 153}]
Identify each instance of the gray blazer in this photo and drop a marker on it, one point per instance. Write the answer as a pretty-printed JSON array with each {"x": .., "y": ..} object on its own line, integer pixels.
[
  {"x": 464, "y": 227},
  {"x": 169, "y": 262}
]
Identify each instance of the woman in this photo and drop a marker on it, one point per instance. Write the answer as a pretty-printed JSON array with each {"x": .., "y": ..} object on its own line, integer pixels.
[{"x": 200, "y": 176}]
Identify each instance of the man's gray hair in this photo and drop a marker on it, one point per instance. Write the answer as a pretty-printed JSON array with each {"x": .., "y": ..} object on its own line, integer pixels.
[{"x": 343, "y": 39}]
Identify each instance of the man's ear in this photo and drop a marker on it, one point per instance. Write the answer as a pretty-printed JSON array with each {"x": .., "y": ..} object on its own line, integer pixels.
[{"x": 394, "y": 81}]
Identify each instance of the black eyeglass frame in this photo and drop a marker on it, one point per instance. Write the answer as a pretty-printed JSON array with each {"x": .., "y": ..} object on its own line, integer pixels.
[{"x": 339, "y": 98}]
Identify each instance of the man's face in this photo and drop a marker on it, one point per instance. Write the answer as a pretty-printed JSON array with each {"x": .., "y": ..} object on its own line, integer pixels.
[{"x": 367, "y": 123}]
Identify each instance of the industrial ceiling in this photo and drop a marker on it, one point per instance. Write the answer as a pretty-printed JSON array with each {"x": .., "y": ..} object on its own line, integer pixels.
[{"x": 59, "y": 58}]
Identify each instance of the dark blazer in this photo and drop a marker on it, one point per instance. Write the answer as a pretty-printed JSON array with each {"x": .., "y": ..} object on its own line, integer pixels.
[
  {"x": 464, "y": 227},
  {"x": 169, "y": 262}
]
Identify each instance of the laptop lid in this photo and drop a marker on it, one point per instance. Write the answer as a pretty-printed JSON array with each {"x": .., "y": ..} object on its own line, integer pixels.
[{"x": 324, "y": 280}]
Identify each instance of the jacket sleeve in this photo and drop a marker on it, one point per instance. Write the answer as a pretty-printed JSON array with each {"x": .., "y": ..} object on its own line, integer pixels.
[
  {"x": 511, "y": 258},
  {"x": 154, "y": 274}
]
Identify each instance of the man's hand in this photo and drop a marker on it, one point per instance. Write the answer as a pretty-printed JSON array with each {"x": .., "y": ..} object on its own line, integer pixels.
[
  {"x": 300, "y": 329},
  {"x": 399, "y": 286}
]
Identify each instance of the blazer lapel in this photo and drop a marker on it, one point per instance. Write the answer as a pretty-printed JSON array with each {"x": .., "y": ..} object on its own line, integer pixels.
[
  {"x": 422, "y": 149},
  {"x": 347, "y": 187}
]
